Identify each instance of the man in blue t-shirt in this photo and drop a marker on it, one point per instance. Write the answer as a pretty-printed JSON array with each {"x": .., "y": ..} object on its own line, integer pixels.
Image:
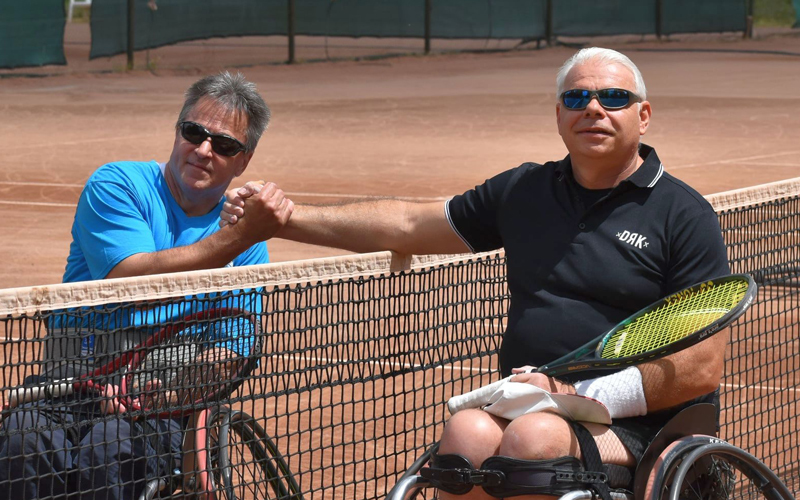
[{"x": 132, "y": 219}]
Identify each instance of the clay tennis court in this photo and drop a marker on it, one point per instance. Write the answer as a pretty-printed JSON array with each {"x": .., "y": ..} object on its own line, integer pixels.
[
  {"x": 419, "y": 127},
  {"x": 725, "y": 117}
]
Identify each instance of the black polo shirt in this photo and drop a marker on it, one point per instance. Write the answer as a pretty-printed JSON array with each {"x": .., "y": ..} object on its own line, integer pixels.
[{"x": 579, "y": 261}]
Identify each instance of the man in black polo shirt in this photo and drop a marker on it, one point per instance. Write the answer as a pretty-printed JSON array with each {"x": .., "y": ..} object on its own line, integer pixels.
[{"x": 589, "y": 240}]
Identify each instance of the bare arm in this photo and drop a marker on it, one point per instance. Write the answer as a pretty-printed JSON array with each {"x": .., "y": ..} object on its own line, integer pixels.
[
  {"x": 367, "y": 226},
  {"x": 666, "y": 382},
  {"x": 685, "y": 375},
  {"x": 218, "y": 249}
]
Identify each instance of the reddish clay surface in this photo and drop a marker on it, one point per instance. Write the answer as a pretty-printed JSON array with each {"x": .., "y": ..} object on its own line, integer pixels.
[{"x": 726, "y": 116}]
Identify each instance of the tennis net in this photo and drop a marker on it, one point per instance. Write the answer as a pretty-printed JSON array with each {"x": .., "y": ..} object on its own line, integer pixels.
[{"x": 354, "y": 359}]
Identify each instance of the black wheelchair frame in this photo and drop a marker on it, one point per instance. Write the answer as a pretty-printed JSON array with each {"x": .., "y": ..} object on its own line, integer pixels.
[{"x": 686, "y": 461}]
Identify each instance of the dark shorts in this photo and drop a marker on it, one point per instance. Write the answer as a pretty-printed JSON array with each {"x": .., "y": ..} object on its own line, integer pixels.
[{"x": 638, "y": 432}]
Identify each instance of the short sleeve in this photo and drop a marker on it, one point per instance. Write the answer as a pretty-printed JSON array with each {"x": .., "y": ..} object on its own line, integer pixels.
[
  {"x": 474, "y": 214},
  {"x": 697, "y": 251},
  {"x": 110, "y": 226}
]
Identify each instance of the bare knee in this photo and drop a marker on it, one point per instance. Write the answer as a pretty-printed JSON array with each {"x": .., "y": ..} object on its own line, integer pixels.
[
  {"x": 538, "y": 436},
  {"x": 474, "y": 434}
]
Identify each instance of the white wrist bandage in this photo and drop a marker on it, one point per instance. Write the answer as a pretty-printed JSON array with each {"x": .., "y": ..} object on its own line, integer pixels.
[{"x": 621, "y": 392}]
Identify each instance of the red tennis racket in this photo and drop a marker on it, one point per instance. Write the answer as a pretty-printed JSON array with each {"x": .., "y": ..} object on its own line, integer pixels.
[{"x": 188, "y": 364}]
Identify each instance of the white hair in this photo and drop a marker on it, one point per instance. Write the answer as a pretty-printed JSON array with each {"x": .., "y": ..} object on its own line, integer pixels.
[{"x": 604, "y": 55}]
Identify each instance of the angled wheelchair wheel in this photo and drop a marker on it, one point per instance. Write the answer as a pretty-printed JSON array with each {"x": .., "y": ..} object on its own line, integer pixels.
[
  {"x": 708, "y": 468},
  {"x": 251, "y": 465},
  {"x": 212, "y": 477}
]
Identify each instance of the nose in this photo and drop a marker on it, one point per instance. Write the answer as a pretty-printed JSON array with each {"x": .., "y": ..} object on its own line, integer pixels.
[
  {"x": 594, "y": 107},
  {"x": 204, "y": 148}
]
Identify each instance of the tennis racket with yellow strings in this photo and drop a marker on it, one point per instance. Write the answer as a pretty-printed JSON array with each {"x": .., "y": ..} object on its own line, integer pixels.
[{"x": 665, "y": 327}]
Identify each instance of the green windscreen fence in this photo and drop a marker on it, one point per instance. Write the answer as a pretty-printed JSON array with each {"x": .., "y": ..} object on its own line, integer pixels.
[
  {"x": 796, "y": 4},
  {"x": 180, "y": 20},
  {"x": 617, "y": 17},
  {"x": 31, "y": 33},
  {"x": 708, "y": 16},
  {"x": 603, "y": 17}
]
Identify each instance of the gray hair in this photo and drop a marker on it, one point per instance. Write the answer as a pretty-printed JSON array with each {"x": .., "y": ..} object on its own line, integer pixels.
[
  {"x": 236, "y": 94},
  {"x": 604, "y": 55}
]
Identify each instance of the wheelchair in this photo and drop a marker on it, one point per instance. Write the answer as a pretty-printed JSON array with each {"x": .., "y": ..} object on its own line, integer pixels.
[
  {"x": 227, "y": 455},
  {"x": 685, "y": 461}
]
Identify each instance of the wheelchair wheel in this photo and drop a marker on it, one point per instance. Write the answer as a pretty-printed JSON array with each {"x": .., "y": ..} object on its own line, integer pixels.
[
  {"x": 707, "y": 468},
  {"x": 250, "y": 464},
  {"x": 212, "y": 477}
]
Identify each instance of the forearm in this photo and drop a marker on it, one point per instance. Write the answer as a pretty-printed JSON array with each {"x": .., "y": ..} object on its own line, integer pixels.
[
  {"x": 214, "y": 251},
  {"x": 369, "y": 226},
  {"x": 686, "y": 375}
]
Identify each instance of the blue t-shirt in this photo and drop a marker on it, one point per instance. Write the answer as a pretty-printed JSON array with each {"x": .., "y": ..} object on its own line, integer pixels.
[{"x": 127, "y": 208}]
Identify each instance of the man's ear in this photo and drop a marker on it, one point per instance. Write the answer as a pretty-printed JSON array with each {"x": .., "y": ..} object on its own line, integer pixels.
[
  {"x": 645, "y": 111},
  {"x": 245, "y": 161}
]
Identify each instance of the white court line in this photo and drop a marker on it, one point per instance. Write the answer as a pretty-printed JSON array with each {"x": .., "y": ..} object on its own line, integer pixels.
[
  {"x": 81, "y": 142},
  {"x": 45, "y": 184},
  {"x": 301, "y": 194},
  {"x": 771, "y": 388},
  {"x": 796, "y": 165},
  {"x": 328, "y": 361},
  {"x": 296, "y": 193},
  {"x": 37, "y": 204},
  {"x": 733, "y": 160},
  {"x": 370, "y": 197}
]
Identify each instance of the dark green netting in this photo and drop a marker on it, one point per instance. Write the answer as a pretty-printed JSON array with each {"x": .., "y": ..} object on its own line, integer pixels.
[
  {"x": 691, "y": 16},
  {"x": 31, "y": 33},
  {"x": 796, "y": 5},
  {"x": 180, "y": 20},
  {"x": 603, "y": 17}
]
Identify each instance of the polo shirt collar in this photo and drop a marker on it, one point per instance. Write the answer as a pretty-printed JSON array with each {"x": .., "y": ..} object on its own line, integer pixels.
[
  {"x": 646, "y": 176},
  {"x": 650, "y": 171}
]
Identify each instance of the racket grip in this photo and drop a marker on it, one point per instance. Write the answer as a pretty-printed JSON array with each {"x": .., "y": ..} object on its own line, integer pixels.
[
  {"x": 22, "y": 395},
  {"x": 474, "y": 399}
]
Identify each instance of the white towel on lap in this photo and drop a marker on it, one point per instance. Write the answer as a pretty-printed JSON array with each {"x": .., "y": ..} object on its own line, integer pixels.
[{"x": 509, "y": 400}]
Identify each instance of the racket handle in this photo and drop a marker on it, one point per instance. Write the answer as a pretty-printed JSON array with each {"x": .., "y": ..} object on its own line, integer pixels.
[
  {"x": 474, "y": 399},
  {"x": 22, "y": 395}
]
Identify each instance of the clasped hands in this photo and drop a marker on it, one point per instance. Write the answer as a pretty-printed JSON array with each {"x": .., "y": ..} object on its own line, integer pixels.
[{"x": 267, "y": 207}]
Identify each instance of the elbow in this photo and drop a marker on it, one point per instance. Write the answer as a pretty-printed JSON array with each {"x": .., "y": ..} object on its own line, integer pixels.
[{"x": 708, "y": 373}]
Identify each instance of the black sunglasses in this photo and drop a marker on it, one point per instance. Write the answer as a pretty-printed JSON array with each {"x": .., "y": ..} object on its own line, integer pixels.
[
  {"x": 608, "y": 98},
  {"x": 222, "y": 144}
]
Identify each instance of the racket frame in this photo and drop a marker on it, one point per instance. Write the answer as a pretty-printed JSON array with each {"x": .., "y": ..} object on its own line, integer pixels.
[
  {"x": 587, "y": 357},
  {"x": 126, "y": 362}
]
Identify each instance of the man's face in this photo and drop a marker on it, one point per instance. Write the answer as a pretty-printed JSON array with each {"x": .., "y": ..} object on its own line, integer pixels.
[
  {"x": 196, "y": 171},
  {"x": 596, "y": 132}
]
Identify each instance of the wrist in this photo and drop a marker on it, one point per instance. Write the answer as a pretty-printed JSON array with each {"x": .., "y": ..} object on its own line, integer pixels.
[{"x": 621, "y": 392}]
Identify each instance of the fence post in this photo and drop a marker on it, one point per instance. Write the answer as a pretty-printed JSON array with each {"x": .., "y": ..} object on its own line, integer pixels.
[
  {"x": 131, "y": 25},
  {"x": 548, "y": 23},
  {"x": 659, "y": 18},
  {"x": 290, "y": 30},
  {"x": 749, "y": 16},
  {"x": 428, "y": 8}
]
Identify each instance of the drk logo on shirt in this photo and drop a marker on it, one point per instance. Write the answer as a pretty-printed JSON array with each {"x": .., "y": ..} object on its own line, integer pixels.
[{"x": 634, "y": 239}]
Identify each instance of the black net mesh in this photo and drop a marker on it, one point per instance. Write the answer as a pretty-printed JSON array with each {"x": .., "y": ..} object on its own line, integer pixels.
[{"x": 350, "y": 375}]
